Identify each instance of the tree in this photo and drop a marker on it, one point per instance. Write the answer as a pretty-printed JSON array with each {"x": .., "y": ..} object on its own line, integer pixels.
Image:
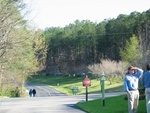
[
  {"x": 143, "y": 30},
  {"x": 86, "y": 43},
  {"x": 10, "y": 18},
  {"x": 131, "y": 51},
  {"x": 16, "y": 40}
]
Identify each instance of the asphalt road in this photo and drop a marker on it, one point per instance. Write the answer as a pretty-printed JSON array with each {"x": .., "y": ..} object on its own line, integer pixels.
[
  {"x": 56, "y": 102},
  {"x": 43, "y": 91},
  {"x": 61, "y": 104}
]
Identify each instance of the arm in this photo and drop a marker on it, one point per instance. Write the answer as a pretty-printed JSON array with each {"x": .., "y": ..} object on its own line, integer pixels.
[
  {"x": 126, "y": 89},
  {"x": 139, "y": 73},
  {"x": 143, "y": 80},
  {"x": 125, "y": 85}
]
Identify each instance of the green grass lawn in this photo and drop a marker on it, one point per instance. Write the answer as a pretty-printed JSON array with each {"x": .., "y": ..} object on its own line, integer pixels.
[
  {"x": 65, "y": 84},
  {"x": 112, "y": 105}
]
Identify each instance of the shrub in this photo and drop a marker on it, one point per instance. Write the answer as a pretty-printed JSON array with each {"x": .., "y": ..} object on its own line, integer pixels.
[{"x": 110, "y": 68}]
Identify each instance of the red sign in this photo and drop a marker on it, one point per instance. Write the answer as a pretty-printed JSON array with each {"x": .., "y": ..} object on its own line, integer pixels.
[{"x": 86, "y": 82}]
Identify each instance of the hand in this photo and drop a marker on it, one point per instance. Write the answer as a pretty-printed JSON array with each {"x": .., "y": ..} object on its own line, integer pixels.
[{"x": 128, "y": 92}]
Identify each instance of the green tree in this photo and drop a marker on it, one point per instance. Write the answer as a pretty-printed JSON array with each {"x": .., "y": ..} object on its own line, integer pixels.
[
  {"x": 131, "y": 52},
  {"x": 85, "y": 43},
  {"x": 17, "y": 56}
]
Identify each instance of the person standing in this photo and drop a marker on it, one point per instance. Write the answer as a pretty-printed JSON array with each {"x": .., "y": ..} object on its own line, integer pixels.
[
  {"x": 146, "y": 84},
  {"x": 31, "y": 92},
  {"x": 34, "y": 92},
  {"x": 131, "y": 87}
]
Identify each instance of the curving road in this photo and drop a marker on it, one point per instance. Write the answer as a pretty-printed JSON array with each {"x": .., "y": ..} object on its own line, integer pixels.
[
  {"x": 51, "y": 101},
  {"x": 43, "y": 90}
]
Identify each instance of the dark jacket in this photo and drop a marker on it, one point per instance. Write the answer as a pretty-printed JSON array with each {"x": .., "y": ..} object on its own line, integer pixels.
[{"x": 34, "y": 91}]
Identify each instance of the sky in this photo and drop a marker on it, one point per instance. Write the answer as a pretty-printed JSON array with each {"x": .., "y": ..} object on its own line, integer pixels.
[{"x": 59, "y": 13}]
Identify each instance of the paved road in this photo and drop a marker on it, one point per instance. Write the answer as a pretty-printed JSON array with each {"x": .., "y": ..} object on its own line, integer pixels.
[
  {"x": 48, "y": 104},
  {"x": 61, "y": 104},
  {"x": 43, "y": 91},
  {"x": 53, "y": 104}
]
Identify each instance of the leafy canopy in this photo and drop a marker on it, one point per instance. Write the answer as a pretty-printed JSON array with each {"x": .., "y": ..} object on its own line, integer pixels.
[{"x": 131, "y": 51}]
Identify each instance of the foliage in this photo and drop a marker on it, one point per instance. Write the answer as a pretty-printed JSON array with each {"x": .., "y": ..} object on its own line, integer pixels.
[
  {"x": 40, "y": 49},
  {"x": 132, "y": 50},
  {"x": 11, "y": 92},
  {"x": 85, "y": 43},
  {"x": 16, "y": 39}
]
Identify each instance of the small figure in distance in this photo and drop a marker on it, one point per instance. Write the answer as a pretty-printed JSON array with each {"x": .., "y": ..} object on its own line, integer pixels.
[
  {"x": 31, "y": 92},
  {"x": 34, "y": 92}
]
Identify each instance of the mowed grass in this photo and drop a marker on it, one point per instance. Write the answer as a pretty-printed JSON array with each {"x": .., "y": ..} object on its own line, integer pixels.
[
  {"x": 65, "y": 84},
  {"x": 112, "y": 105}
]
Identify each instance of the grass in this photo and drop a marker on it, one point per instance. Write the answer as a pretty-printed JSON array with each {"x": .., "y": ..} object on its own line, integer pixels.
[
  {"x": 112, "y": 105},
  {"x": 65, "y": 84}
]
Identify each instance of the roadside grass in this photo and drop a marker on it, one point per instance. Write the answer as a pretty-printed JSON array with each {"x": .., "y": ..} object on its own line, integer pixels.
[
  {"x": 112, "y": 105},
  {"x": 65, "y": 84}
]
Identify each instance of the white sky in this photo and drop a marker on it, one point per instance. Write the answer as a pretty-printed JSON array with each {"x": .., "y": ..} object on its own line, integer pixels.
[{"x": 48, "y": 13}]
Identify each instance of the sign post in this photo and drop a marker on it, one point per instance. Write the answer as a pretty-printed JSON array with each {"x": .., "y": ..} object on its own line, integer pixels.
[
  {"x": 102, "y": 79},
  {"x": 86, "y": 83},
  {"x": 86, "y": 93}
]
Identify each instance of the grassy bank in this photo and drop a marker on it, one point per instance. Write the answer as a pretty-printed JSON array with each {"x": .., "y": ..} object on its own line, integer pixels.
[
  {"x": 65, "y": 84},
  {"x": 112, "y": 105}
]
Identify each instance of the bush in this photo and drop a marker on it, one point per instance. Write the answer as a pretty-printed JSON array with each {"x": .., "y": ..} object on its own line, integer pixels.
[
  {"x": 11, "y": 92},
  {"x": 8, "y": 92},
  {"x": 111, "y": 69}
]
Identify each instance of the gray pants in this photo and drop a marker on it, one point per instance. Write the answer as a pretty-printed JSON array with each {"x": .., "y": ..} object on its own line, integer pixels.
[
  {"x": 147, "y": 92},
  {"x": 133, "y": 101}
]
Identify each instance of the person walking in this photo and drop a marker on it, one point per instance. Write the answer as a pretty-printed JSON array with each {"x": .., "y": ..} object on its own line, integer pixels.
[
  {"x": 31, "y": 92},
  {"x": 131, "y": 87},
  {"x": 146, "y": 84},
  {"x": 34, "y": 92}
]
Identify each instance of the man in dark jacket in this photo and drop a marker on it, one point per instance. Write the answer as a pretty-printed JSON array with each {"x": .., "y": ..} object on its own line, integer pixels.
[{"x": 34, "y": 92}]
